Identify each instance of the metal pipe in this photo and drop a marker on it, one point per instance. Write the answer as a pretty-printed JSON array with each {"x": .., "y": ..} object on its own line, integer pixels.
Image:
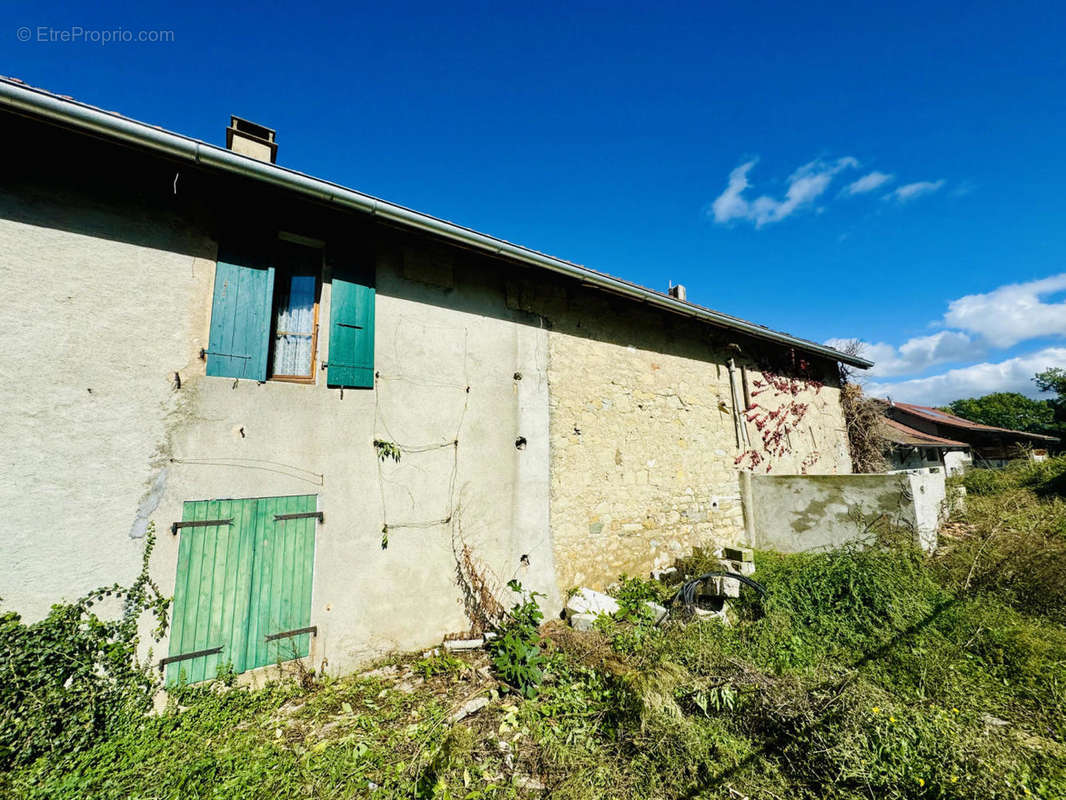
[{"x": 38, "y": 103}]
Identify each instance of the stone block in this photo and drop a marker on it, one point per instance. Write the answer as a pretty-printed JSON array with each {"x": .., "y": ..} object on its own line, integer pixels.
[
  {"x": 738, "y": 554},
  {"x": 745, "y": 568},
  {"x": 721, "y": 587},
  {"x": 589, "y": 601}
]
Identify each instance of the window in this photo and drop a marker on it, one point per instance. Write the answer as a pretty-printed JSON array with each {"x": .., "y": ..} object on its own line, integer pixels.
[
  {"x": 264, "y": 317},
  {"x": 296, "y": 313}
]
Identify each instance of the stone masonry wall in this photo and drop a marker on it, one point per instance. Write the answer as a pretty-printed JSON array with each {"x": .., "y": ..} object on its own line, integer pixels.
[{"x": 644, "y": 451}]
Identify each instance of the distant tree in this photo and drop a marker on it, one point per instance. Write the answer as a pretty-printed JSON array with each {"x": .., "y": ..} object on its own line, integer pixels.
[
  {"x": 1053, "y": 379},
  {"x": 1006, "y": 410}
]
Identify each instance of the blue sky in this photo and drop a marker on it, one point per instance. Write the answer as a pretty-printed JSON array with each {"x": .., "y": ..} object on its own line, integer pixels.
[{"x": 833, "y": 170}]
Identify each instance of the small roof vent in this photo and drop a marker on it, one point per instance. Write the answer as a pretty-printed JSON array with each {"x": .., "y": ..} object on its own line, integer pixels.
[{"x": 252, "y": 139}]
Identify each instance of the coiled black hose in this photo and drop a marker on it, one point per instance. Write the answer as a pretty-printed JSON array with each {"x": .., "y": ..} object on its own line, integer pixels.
[{"x": 686, "y": 595}]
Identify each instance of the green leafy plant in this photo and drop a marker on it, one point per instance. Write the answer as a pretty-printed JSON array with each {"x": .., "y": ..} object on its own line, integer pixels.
[
  {"x": 442, "y": 663},
  {"x": 73, "y": 676},
  {"x": 387, "y": 450},
  {"x": 516, "y": 651}
]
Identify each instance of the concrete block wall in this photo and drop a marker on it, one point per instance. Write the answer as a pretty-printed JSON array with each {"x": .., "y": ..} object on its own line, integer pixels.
[{"x": 801, "y": 513}]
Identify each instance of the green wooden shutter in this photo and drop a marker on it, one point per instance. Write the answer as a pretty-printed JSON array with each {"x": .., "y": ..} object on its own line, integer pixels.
[
  {"x": 351, "y": 335},
  {"x": 212, "y": 589},
  {"x": 240, "y": 321},
  {"x": 281, "y": 581},
  {"x": 237, "y": 584}
]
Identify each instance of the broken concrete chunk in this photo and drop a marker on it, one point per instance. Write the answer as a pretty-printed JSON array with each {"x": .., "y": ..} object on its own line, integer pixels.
[
  {"x": 453, "y": 645},
  {"x": 721, "y": 615},
  {"x": 745, "y": 568},
  {"x": 470, "y": 707},
  {"x": 659, "y": 611},
  {"x": 583, "y": 622},
  {"x": 738, "y": 554},
  {"x": 721, "y": 587},
  {"x": 589, "y": 601}
]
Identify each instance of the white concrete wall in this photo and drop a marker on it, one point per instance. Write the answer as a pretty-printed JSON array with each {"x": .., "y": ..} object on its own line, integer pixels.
[
  {"x": 801, "y": 513},
  {"x": 957, "y": 461},
  {"x": 107, "y": 304}
]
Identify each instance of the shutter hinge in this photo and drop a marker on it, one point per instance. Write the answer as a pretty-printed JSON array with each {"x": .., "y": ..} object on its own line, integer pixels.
[
  {"x": 305, "y": 515},
  {"x": 203, "y": 523},
  {"x": 313, "y": 630},
  {"x": 186, "y": 656},
  {"x": 204, "y": 353}
]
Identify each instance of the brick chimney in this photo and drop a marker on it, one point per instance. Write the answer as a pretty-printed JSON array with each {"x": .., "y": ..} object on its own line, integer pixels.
[{"x": 250, "y": 139}]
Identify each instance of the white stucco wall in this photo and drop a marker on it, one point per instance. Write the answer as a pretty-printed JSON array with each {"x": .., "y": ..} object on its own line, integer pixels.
[{"x": 108, "y": 305}]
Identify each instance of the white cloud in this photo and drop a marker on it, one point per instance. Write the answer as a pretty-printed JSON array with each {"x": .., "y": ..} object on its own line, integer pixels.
[
  {"x": 909, "y": 191},
  {"x": 1012, "y": 313},
  {"x": 867, "y": 183},
  {"x": 917, "y": 354},
  {"x": 1011, "y": 375},
  {"x": 729, "y": 204},
  {"x": 805, "y": 185}
]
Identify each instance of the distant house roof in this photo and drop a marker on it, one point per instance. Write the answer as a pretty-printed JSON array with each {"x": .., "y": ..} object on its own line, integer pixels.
[
  {"x": 18, "y": 97},
  {"x": 944, "y": 418},
  {"x": 895, "y": 431}
]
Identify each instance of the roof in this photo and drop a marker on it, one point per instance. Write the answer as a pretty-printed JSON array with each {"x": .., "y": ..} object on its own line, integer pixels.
[
  {"x": 944, "y": 418},
  {"x": 20, "y": 98},
  {"x": 896, "y": 431}
]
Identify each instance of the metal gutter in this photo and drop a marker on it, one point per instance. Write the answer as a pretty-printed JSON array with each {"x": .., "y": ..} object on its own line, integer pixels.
[{"x": 38, "y": 103}]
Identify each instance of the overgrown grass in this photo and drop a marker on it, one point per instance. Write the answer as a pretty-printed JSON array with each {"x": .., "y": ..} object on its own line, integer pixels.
[{"x": 878, "y": 673}]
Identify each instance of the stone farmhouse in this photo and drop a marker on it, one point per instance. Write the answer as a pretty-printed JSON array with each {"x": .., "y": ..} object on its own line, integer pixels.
[{"x": 338, "y": 414}]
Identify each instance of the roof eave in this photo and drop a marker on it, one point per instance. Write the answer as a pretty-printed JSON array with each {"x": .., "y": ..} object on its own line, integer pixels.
[{"x": 84, "y": 117}]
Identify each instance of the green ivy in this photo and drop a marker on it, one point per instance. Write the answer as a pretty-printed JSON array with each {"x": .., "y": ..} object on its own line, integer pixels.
[
  {"x": 387, "y": 450},
  {"x": 73, "y": 676}
]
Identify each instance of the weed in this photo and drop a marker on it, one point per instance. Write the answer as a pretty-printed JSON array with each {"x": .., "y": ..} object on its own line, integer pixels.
[{"x": 516, "y": 651}]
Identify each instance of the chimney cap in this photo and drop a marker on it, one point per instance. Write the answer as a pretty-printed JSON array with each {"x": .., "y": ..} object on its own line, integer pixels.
[{"x": 254, "y": 132}]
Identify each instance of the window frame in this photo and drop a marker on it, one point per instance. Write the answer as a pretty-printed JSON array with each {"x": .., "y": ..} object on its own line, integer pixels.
[{"x": 281, "y": 272}]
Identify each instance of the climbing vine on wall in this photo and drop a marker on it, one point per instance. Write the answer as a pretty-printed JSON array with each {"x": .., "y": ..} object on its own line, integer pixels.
[
  {"x": 387, "y": 450},
  {"x": 73, "y": 676},
  {"x": 780, "y": 413}
]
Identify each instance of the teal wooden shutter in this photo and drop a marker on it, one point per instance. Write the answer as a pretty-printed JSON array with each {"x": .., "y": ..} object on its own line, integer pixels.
[
  {"x": 238, "y": 584},
  {"x": 240, "y": 321},
  {"x": 351, "y": 335},
  {"x": 212, "y": 589}
]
